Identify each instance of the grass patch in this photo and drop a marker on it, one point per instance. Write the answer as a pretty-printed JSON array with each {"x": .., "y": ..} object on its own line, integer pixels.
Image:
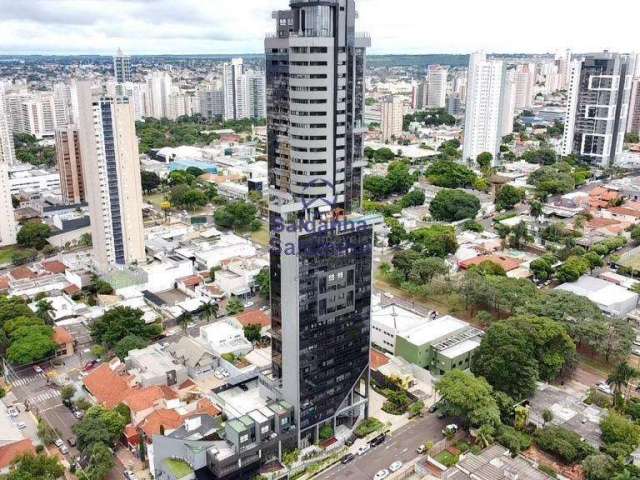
[
  {"x": 179, "y": 468},
  {"x": 367, "y": 426},
  {"x": 446, "y": 458},
  {"x": 261, "y": 236},
  {"x": 6, "y": 254},
  {"x": 155, "y": 199}
]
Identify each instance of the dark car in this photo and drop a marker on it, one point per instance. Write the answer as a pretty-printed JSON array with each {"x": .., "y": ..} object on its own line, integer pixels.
[
  {"x": 433, "y": 408},
  {"x": 374, "y": 442},
  {"x": 347, "y": 458}
]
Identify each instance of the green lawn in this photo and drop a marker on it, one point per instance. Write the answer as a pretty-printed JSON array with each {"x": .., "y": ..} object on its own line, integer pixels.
[
  {"x": 261, "y": 236},
  {"x": 446, "y": 458},
  {"x": 155, "y": 199},
  {"x": 179, "y": 468},
  {"x": 6, "y": 254}
]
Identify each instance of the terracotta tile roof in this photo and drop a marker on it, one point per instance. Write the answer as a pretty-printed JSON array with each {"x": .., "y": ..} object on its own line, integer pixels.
[
  {"x": 54, "y": 266},
  {"x": 165, "y": 418},
  {"x": 188, "y": 383},
  {"x": 130, "y": 432},
  {"x": 215, "y": 291},
  {"x": 61, "y": 336},
  {"x": 140, "y": 399},
  {"x": 108, "y": 388},
  {"x": 507, "y": 263},
  {"x": 599, "y": 222},
  {"x": 254, "y": 317},
  {"x": 4, "y": 283},
  {"x": 72, "y": 289},
  {"x": 10, "y": 452},
  {"x": 377, "y": 359},
  {"x": 21, "y": 273},
  {"x": 624, "y": 211},
  {"x": 204, "y": 405},
  {"x": 191, "y": 280}
]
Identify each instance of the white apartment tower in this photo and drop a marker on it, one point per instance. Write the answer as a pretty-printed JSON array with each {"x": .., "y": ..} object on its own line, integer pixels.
[
  {"x": 7, "y": 221},
  {"x": 598, "y": 100},
  {"x": 486, "y": 116},
  {"x": 109, "y": 151},
  {"x": 159, "y": 87},
  {"x": 244, "y": 92},
  {"x": 633, "y": 123},
  {"x": 525, "y": 85},
  {"x": 436, "y": 86},
  {"x": 392, "y": 115}
]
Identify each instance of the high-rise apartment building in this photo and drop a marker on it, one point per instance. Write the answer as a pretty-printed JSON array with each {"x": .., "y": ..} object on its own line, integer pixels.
[
  {"x": 320, "y": 266},
  {"x": 159, "y": 87},
  {"x": 109, "y": 152},
  {"x": 244, "y": 92},
  {"x": 508, "y": 101},
  {"x": 633, "y": 123},
  {"x": 69, "y": 160},
  {"x": 7, "y": 217},
  {"x": 598, "y": 106},
  {"x": 211, "y": 103},
  {"x": 525, "y": 78},
  {"x": 391, "y": 117},
  {"x": 122, "y": 67},
  {"x": 486, "y": 116},
  {"x": 436, "y": 86}
]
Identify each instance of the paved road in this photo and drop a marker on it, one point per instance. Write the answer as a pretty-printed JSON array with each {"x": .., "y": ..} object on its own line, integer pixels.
[{"x": 401, "y": 445}]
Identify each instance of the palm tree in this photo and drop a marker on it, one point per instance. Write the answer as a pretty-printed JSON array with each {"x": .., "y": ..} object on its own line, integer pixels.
[
  {"x": 210, "y": 309},
  {"x": 620, "y": 378},
  {"x": 44, "y": 308}
]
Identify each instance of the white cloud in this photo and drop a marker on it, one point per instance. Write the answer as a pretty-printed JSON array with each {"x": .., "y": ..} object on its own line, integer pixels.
[{"x": 238, "y": 26}]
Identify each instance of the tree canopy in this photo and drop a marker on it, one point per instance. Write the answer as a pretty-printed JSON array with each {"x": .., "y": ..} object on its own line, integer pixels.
[
  {"x": 448, "y": 174},
  {"x": 435, "y": 241},
  {"x": 238, "y": 214},
  {"x": 34, "y": 235},
  {"x": 453, "y": 205},
  {"x": 120, "y": 322},
  {"x": 41, "y": 467}
]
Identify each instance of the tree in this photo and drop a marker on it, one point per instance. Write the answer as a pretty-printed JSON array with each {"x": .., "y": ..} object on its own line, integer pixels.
[
  {"x": 512, "y": 439},
  {"x": 425, "y": 268},
  {"x": 34, "y": 235},
  {"x": 508, "y": 197},
  {"x": 505, "y": 359},
  {"x": 236, "y": 215},
  {"x": 454, "y": 205},
  {"x": 263, "y": 281},
  {"x": 234, "y": 306},
  {"x": 399, "y": 178},
  {"x": 101, "y": 461},
  {"x": 487, "y": 267},
  {"x": 434, "y": 241},
  {"x": 632, "y": 137},
  {"x": 464, "y": 394},
  {"x": 384, "y": 154},
  {"x": 99, "y": 425},
  {"x": 41, "y": 467},
  {"x": 617, "y": 430},
  {"x": 572, "y": 269},
  {"x": 541, "y": 268},
  {"x": 535, "y": 209},
  {"x": 128, "y": 343},
  {"x": 377, "y": 186},
  {"x": 403, "y": 261},
  {"x": 472, "y": 226},
  {"x": 210, "y": 309},
  {"x": 252, "y": 333},
  {"x": 326, "y": 432},
  {"x": 150, "y": 181},
  {"x": 120, "y": 322},
  {"x": 67, "y": 392},
  {"x": 620, "y": 377},
  {"x": 44, "y": 308},
  {"x": 599, "y": 466},
  {"x": 543, "y": 156},
  {"x": 31, "y": 345},
  {"x": 187, "y": 197},
  {"x": 566, "y": 445},
  {"x": 484, "y": 160},
  {"x": 45, "y": 433},
  {"x": 447, "y": 174},
  {"x": 413, "y": 199},
  {"x": 547, "y": 416}
]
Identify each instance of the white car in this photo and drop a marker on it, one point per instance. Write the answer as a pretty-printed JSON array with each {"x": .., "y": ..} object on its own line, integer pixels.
[
  {"x": 21, "y": 425},
  {"x": 37, "y": 369},
  {"x": 224, "y": 373},
  {"x": 381, "y": 474},
  {"x": 363, "y": 449},
  {"x": 249, "y": 305},
  {"x": 395, "y": 466},
  {"x": 218, "y": 374},
  {"x": 604, "y": 387}
]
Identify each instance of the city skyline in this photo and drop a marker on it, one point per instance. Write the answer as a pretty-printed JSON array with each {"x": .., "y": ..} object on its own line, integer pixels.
[{"x": 194, "y": 27}]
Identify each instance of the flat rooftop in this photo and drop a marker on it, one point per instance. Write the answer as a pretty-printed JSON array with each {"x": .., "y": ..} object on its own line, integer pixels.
[
  {"x": 460, "y": 349},
  {"x": 395, "y": 317},
  {"x": 433, "y": 330}
]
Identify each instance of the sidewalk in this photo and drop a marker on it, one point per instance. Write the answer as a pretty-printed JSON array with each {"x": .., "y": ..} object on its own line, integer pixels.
[{"x": 375, "y": 410}]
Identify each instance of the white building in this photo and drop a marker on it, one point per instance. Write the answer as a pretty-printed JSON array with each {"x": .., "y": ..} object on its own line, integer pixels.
[
  {"x": 485, "y": 117},
  {"x": 244, "y": 92},
  {"x": 7, "y": 222},
  {"x": 159, "y": 87},
  {"x": 109, "y": 150},
  {"x": 436, "y": 86},
  {"x": 221, "y": 337},
  {"x": 612, "y": 299},
  {"x": 392, "y": 116},
  {"x": 525, "y": 78},
  {"x": 388, "y": 321}
]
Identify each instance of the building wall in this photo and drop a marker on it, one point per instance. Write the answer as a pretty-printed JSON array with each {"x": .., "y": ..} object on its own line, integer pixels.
[
  {"x": 7, "y": 217},
  {"x": 69, "y": 162}
]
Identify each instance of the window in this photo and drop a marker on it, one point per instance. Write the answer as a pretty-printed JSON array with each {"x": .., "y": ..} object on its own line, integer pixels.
[{"x": 244, "y": 438}]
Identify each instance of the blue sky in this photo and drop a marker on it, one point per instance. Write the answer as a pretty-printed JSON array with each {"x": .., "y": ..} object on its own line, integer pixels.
[{"x": 238, "y": 26}]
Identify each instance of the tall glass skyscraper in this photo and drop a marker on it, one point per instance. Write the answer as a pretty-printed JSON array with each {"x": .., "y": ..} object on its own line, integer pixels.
[{"x": 320, "y": 247}]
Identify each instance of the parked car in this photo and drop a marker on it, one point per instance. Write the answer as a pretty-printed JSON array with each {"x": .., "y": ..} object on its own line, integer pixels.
[
  {"x": 72, "y": 441},
  {"x": 21, "y": 425},
  {"x": 384, "y": 473},
  {"x": 421, "y": 449},
  {"x": 78, "y": 414},
  {"x": 395, "y": 466},
  {"x": 433, "y": 407},
  {"x": 450, "y": 429},
  {"x": 61, "y": 446},
  {"x": 363, "y": 449},
  {"x": 347, "y": 458},
  {"x": 249, "y": 305},
  {"x": 13, "y": 411},
  {"x": 605, "y": 388},
  {"x": 129, "y": 475},
  {"x": 374, "y": 442},
  {"x": 90, "y": 365},
  {"x": 37, "y": 369}
]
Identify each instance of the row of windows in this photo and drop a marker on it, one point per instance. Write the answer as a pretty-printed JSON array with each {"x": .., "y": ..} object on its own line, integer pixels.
[
  {"x": 307, "y": 76},
  {"x": 309, "y": 89},
  {"x": 315, "y": 101},
  {"x": 309, "y": 49},
  {"x": 309, "y": 125}
]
